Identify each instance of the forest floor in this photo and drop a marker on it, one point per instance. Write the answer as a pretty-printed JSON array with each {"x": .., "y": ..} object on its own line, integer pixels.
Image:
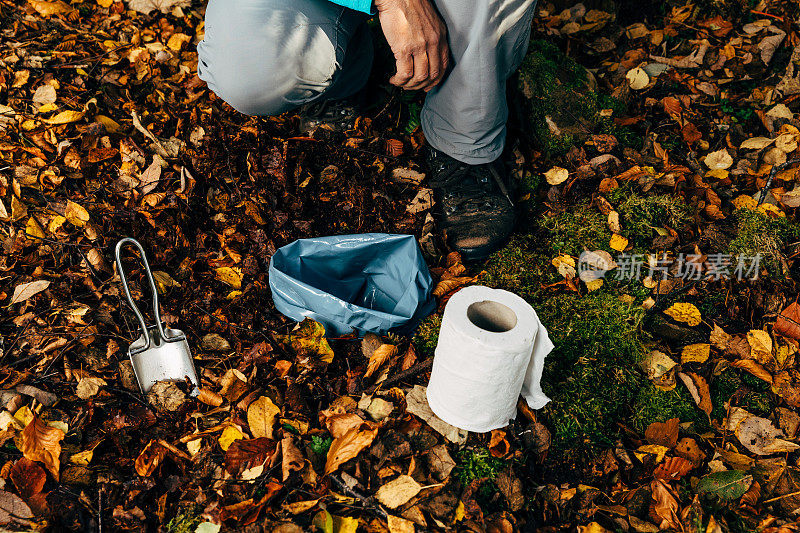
[{"x": 658, "y": 242}]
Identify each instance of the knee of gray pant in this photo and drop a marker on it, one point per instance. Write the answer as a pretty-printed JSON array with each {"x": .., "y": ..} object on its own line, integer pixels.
[{"x": 267, "y": 84}]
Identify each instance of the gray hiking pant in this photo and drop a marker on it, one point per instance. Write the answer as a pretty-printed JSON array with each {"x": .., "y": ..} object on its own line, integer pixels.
[{"x": 265, "y": 57}]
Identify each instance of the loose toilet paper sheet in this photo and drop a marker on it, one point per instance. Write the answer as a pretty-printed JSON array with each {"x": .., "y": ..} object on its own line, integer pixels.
[{"x": 478, "y": 374}]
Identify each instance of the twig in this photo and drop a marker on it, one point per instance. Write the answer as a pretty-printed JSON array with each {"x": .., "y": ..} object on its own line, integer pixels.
[
  {"x": 366, "y": 500},
  {"x": 405, "y": 374},
  {"x": 775, "y": 169}
]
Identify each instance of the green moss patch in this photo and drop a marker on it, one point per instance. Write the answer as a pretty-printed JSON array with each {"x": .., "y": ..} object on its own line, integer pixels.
[{"x": 758, "y": 233}]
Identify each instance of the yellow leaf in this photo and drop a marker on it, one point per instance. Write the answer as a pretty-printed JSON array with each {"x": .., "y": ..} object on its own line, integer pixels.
[
  {"x": 760, "y": 345},
  {"x": 230, "y": 275},
  {"x": 47, "y": 108},
  {"x": 565, "y": 265},
  {"x": 769, "y": 208},
  {"x": 618, "y": 242},
  {"x": 717, "y": 173},
  {"x": 177, "y": 41},
  {"x": 85, "y": 457},
  {"x": 105, "y": 3},
  {"x": 164, "y": 281},
  {"x": 261, "y": 416},
  {"x": 695, "y": 353},
  {"x": 651, "y": 449},
  {"x": 55, "y": 223},
  {"x": 460, "y": 512},
  {"x": 108, "y": 123},
  {"x": 24, "y": 415},
  {"x": 46, "y": 9},
  {"x": 684, "y": 312},
  {"x": 344, "y": 524},
  {"x": 381, "y": 354},
  {"x": 33, "y": 229},
  {"x": 593, "y": 527},
  {"x": 65, "y": 117},
  {"x": 229, "y": 434},
  {"x": 744, "y": 202},
  {"x": 76, "y": 214},
  {"x": 309, "y": 340},
  {"x": 556, "y": 175},
  {"x": 594, "y": 284}
]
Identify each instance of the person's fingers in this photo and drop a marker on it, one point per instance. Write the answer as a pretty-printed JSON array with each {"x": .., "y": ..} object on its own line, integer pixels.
[
  {"x": 405, "y": 70},
  {"x": 421, "y": 75},
  {"x": 435, "y": 70}
]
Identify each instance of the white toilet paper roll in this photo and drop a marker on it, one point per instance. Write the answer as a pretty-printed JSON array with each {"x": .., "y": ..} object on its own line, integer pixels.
[{"x": 491, "y": 348}]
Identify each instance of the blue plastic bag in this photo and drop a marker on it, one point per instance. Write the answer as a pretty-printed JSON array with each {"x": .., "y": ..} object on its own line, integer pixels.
[{"x": 372, "y": 282}]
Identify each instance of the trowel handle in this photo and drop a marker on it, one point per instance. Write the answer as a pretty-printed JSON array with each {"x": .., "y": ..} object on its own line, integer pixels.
[{"x": 156, "y": 311}]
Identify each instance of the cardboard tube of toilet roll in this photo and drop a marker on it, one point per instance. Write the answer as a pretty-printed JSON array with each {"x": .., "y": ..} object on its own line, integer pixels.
[{"x": 491, "y": 348}]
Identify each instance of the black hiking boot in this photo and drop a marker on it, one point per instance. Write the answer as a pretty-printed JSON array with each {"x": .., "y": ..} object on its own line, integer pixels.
[
  {"x": 474, "y": 210},
  {"x": 336, "y": 115}
]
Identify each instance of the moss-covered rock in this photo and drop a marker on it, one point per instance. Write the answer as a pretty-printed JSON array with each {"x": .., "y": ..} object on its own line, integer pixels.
[
  {"x": 560, "y": 103},
  {"x": 759, "y": 233}
]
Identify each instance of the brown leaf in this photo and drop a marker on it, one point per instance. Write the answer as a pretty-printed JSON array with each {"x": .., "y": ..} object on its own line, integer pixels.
[
  {"x": 498, "y": 444},
  {"x": 247, "y": 453},
  {"x": 150, "y": 457},
  {"x": 788, "y": 323},
  {"x": 41, "y": 442},
  {"x": 449, "y": 285},
  {"x": 673, "y": 468},
  {"x": 787, "y": 388},
  {"x": 664, "y": 507},
  {"x": 688, "y": 449},
  {"x": 28, "y": 477},
  {"x": 663, "y": 433},
  {"x": 698, "y": 388},
  {"x": 292, "y": 459},
  {"x": 379, "y": 358},
  {"x": 754, "y": 368},
  {"x": 398, "y": 491},
  {"x": 13, "y": 509},
  {"x": 349, "y": 446}
]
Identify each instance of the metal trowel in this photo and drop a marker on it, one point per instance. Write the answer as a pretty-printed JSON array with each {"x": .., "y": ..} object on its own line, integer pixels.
[{"x": 160, "y": 353}]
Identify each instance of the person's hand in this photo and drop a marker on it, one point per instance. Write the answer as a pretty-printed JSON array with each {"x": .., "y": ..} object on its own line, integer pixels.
[{"x": 418, "y": 38}]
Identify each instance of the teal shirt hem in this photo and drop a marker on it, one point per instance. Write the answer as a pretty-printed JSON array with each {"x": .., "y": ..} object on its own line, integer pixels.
[{"x": 365, "y": 6}]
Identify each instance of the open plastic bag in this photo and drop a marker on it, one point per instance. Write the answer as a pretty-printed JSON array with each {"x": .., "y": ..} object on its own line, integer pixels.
[{"x": 372, "y": 282}]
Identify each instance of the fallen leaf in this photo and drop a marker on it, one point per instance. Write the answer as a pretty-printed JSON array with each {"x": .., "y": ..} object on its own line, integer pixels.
[
  {"x": 756, "y": 143},
  {"x": 349, "y": 445},
  {"x": 230, "y": 275},
  {"x": 618, "y": 242},
  {"x": 76, "y": 214},
  {"x": 695, "y": 353},
  {"x": 165, "y": 6},
  {"x": 24, "y": 291},
  {"x": 663, "y": 433},
  {"x": 261, "y": 415},
  {"x": 760, "y": 345},
  {"x": 684, "y": 312},
  {"x": 759, "y": 435},
  {"x": 673, "y": 468},
  {"x": 698, "y": 388},
  {"x": 308, "y": 340},
  {"x": 421, "y": 202},
  {"x": 28, "y": 477},
  {"x": 727, "y": 485},
  {"x": 89, "y": 386},
  {"x": 65, "y": 117},
  {"x": 399, "y": 525},
  {"x": 292, "y": 459},
  {"x": 398, "y": 491},
  {"x": 664, "y": 508},
  {"x": 150, "y": 457},
  {"x": 556, "y": 175},
  {"x": 41, "y": 442},
  {"x": 229, "y": 434},
  {"x": 382, "y": 354},
  {"x": 788, "y": 323},
  {"x": 637, "y": 78},
  {"x": 417, "y": 404},
  {"x": 720, "y": 159}
]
